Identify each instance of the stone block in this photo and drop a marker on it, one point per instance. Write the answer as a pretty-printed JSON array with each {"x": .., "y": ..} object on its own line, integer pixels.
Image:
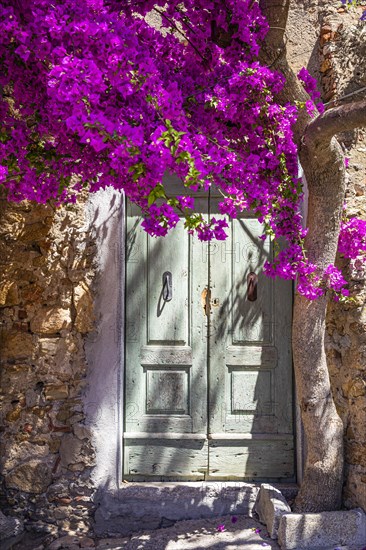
[
  {"x": 56, "y": 391},
  {"x": 62, "y": 512},
  {"x": 12, "y": 225},
  {"x": 48, "y": 346},
  {"x": 270, "y": 506},
  {"x": 323, "y": 530},
  {"x": 83, "y": 302},
  {"x": 67, "y": 541},
  {"x": 32, "y": 293},
  {"x": 81, "y": 431},
  {"x": 50, "y": 320},
  {"x": 33, "y": 476},
  {"x": 70, "y": 450},
  {"x": 16, "y": 346},
  {"x": 122, "y": 511},
  {"x": 86, "y": 542},
  {"x": 15, "y": 453},
  {"x": 9, "y": 294},
  {"x": 78, "y": 467},
  {"x": 9, "y": 527},
  {"x": 32, "y": 398},
  {"x": 355, "y": 453},
  {"x": 14, "y": 414},
  {"x": 35, "y": 231},
  {"x": 354, "y": 491}
]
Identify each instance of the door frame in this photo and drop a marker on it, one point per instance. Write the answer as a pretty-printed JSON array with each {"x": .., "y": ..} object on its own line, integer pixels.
[
  {"x": 299, "y": 442},
  {"x": 103, "y": 399}
]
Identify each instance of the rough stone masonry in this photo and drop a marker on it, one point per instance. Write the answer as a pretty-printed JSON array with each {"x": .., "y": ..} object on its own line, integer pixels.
[
  {"x": 46, "y": 310},
  {"x": 49, "y": 279}
]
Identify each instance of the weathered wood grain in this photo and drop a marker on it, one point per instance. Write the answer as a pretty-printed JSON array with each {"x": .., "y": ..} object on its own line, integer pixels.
[{"x": 209, "y": 373}]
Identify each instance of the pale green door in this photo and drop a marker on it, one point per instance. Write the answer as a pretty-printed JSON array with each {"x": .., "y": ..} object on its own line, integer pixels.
[{"x": 208, "y": 387}]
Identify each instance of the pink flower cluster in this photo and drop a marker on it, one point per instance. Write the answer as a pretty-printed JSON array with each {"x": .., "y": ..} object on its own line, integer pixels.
[
  {"x": 95, "y": 95},
  {"x": 352, "y": 238},
  {"x": 311, "y": 88}
]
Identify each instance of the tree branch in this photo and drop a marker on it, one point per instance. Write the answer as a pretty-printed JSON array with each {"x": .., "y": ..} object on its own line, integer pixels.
[
  {"x": 273, "y": 54},
  {"x": 338, "y": 119},
  {"x": 276, "y": 13}
]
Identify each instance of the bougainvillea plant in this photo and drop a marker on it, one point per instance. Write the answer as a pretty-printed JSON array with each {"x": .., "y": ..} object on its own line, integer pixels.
[{"x": 99, "y": 93}]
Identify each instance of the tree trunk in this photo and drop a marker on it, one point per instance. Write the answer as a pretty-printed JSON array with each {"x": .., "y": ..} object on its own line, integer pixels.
[
  {"x": 321, "y": 488},
  {"x": 323, "y": 165}
]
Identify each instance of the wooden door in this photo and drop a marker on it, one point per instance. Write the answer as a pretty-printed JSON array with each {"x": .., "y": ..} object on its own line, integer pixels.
[
  {"x": 249, "y": 356},
  {"x": 208, "y": 387}
]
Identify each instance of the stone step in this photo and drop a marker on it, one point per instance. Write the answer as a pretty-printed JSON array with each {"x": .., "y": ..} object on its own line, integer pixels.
[
  {"x": 137, "y": 506},
  {"x": 323, "y": 530}
]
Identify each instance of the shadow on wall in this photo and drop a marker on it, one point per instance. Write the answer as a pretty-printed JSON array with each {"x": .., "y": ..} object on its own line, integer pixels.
[{"x": 103, "y": 347}]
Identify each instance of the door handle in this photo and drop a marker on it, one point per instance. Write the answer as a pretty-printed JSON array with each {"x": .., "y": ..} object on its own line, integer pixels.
[
  {"x": 167, "y": 286},
  {"x": 252, "y": 284},
  {"x": 206, "y": 301}
]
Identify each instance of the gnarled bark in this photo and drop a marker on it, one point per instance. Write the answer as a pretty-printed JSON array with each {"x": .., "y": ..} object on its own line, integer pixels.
[
  {"x": 323, "y": 165},
  {"x": 321, "y": 488}
]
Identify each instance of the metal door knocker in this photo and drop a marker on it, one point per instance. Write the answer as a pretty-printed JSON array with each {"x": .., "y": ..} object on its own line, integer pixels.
[
  {"x": 167, "y": 286},
  {"x": 252, "y": 283}
]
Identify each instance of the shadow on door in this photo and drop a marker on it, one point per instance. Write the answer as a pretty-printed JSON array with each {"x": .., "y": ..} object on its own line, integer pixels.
[{"x": 208, "y": 385}]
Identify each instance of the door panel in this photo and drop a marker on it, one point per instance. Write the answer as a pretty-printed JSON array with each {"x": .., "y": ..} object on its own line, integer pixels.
[
  {"x": 166, "y": 418},
  {"x": 164, "y": 459},
  {"x": 256, "y": 459},
  {"x": 208, "y": 373},
  {"x": 250, "y": 416},
  {"x": 168, "y": 322}
]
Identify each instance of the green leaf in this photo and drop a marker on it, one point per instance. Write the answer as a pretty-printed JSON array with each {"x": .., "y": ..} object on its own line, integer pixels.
[
  {"x": 193, "y": 221},
  {"x": 156, "y": 193}
]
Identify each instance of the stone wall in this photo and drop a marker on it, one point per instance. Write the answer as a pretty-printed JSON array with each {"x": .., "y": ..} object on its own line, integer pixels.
[
  {"x": 343, "y": 59},
  {"x": 331, "y": 42},
  {"x": 46, "y": 259},
  {"x": 59, "y": 376}
]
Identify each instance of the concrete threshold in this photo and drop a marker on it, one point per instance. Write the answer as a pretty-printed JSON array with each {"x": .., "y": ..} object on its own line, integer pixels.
[{"x": 147, "y": 506}]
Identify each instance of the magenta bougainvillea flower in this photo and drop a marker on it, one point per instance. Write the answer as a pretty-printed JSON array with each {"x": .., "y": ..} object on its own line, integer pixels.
[
  {"x": 310, "y": 86},
  {"x": 95, "y": 95}
]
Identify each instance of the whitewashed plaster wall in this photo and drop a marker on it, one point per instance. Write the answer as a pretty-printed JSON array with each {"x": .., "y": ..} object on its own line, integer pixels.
[{"x": 104, "y": 348}]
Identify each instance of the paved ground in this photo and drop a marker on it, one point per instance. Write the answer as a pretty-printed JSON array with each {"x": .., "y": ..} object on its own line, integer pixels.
[
  {"x": 216, "y": 534},
  {"x": 245, "y": 534}
]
